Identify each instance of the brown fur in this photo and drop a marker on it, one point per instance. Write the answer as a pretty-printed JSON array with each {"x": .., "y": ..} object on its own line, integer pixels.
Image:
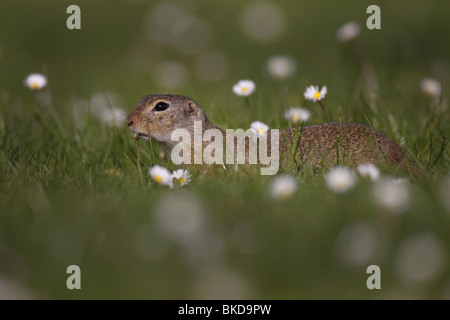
[{"x": 323, "y": 145}]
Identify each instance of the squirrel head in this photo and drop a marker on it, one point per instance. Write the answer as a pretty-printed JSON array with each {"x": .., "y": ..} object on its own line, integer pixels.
[{"x": 159, "y": 115}]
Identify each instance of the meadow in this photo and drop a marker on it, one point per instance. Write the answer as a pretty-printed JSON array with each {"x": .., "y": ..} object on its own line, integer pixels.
[{"x": 75, "y": 188}]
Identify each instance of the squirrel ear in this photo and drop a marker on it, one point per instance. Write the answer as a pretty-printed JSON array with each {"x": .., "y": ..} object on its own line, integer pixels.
[{"x": 191, "y": 107}]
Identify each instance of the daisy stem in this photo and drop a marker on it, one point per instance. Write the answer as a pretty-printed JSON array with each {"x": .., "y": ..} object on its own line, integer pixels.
[
  {"x": 298, "y": 135},
  {"x": 369, "y": 75},
  {"x": 43, "y": 119},
  {"x": 139, "y": 162},
  {"x": 324, "y": 111},
  {"x": 57, "y": 119},
  {"x": 445, "y": 143},
  {"x": 247, "y": 103}
]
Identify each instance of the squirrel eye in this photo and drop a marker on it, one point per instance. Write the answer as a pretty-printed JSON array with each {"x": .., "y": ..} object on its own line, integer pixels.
[{"x": 161, "y": 106}]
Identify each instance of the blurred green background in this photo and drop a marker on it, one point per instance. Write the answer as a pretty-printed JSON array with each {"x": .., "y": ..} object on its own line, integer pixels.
[{"x": 71, "y": 191}]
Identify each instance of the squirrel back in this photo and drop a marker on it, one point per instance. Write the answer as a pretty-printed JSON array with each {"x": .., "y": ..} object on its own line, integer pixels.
[{"x": 339, "y": 143}]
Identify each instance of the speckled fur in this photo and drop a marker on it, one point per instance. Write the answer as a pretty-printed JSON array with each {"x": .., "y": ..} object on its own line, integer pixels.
[
  {"x": 323, "y": 145},
  {"x": 335, "y": 143}
]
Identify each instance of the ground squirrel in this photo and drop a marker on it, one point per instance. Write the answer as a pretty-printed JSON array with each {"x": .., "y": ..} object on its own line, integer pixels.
[{"x": 323, "y": 145}]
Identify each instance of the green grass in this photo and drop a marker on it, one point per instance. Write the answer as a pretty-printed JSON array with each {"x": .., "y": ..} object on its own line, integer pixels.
[{"x": 71, "y": 191}]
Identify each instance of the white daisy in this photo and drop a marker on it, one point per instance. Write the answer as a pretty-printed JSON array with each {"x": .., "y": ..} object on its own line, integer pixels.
[
  {"x": 244, "y": 88},
  {"x": 182, "y": 176},
  {"x": 431, "y": 87},
  {"x": 348, "y": 32},
  {"x": 259, "y": 128},
  {"x": 340, "y": 179},
  {"x": 113, "y": 117},
  {"x": 35, "y": 81},
  {"x": 312, "y": 93},
  {"x": 297, "y": 114},
  {"x": 391, "y": 195},
  {"x": 369, "y": 171},
  {"x": 283, "y": 187},
  {"x": 281, "y": 67},
  {"x": 161, "y": 175}
]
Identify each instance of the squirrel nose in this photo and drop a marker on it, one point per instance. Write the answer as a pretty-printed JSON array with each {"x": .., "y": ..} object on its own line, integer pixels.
[{"x": 129, "y": 121}]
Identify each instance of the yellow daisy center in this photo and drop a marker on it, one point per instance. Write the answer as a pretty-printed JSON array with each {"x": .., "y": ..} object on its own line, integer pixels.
[
  {"x": 158, "y": 179},
  {"x": 244, "y": 89},
  {"x": 261, "y": 130},
  {"x": 295, "y": 117},
  {"x": 34, "y": 85},
  {"x": 180, "y": 180},
  {"x": 317, "y": 95}
]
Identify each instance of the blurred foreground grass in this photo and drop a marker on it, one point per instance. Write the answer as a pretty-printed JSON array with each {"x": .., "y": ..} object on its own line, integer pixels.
[{"x": 71, "y": 192}]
